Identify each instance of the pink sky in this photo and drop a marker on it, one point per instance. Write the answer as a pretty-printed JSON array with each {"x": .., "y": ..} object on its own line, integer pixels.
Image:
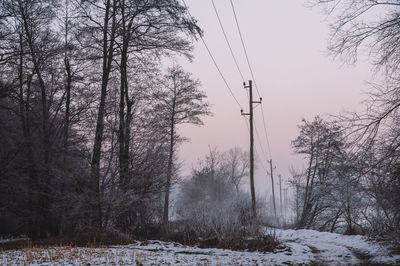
[{"x": 286, "y": 42}]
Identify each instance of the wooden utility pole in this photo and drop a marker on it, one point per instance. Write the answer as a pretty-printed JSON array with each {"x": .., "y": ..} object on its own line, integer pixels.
[
  {"x": 273, "y": 186},
  {"x": 250, "y": 114}
]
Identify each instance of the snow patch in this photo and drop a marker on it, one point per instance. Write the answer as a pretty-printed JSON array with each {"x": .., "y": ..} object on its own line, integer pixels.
[{"x": 302, "y": 247}]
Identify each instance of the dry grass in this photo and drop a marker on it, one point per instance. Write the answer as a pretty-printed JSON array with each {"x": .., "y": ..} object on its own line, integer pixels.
[{"x": 71, "y": 255}]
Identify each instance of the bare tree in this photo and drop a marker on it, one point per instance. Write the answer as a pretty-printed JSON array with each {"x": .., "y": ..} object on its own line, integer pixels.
[
  {"x": 181, "y": 101},
  {"x": 210, "y": 207},
  {"x": 118, "y": 32},
  {"x": 38, "y": 49},
  {"x": 148, "y": 29},
  {"x": 235, "y": 165},
  {"x": 372, "y": 26},
  {"x": 106, "y": 27},
  {"x": 90, "y": 148},
  {"x": 321, "y": 144},
  {"x": 32, "y": 49}
]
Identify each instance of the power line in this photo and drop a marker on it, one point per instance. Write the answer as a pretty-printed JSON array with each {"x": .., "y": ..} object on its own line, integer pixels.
[
  {"x": 265, "y": 131},
  {"x": 262, "y": 149},
  {"x": 244, "y": 48},
  {"x": 227, "y": 41},
  {"x": 252, "y": 75},
  {"x": 262, "y": 161},
  {"x": 214, "y": 61},
  {"x": 259, "y": 143},
  {"x": 238, "y": 68},
  {"x": 219, "y": 71}
]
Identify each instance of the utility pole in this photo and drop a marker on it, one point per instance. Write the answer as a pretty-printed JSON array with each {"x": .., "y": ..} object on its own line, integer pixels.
[
  {"x": 285, "y": 202},
  {"x": 280, "y": 194},
  {"x": 273, "y": 186},
  {"x": 250, "y": 114}
]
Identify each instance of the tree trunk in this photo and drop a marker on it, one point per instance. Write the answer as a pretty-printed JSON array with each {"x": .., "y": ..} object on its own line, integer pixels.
[
  {"x": 123, "y": 144},
  {"x": 122, "y": 124},
  {"x": 335, "y": 221},
  {"x": 108, "y": 52},
  {"x": 45, "y": 190},
  {"x": 67, "y": 89},
  {"x": 126, "y": 155},
  {"x": 169, "y": 169},
  {"x": 25, "y": 124},
  {"x": 67, "y": 109}
]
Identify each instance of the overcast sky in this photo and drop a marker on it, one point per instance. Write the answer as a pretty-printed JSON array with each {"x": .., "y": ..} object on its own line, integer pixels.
[{"x": 286, "y": 43}]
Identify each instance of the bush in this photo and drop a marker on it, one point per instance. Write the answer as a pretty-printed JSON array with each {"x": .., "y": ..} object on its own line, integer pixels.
[{"x": 216, "y": 215}]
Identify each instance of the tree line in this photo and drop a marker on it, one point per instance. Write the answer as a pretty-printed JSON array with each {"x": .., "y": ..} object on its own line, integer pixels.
[
  {"x": 89, "y": 116},
  {"x": 351, "y": 179}
]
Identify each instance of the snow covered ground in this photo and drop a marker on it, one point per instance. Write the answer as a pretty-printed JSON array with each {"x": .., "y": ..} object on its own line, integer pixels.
[
  {"x": 303, "y": 247},
  {"x": 335, "y": 249},
  {"x": 11, "y": 239}
]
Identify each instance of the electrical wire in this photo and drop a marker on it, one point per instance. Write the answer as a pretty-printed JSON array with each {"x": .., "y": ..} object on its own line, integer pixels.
[
  {"x": 227, "y": 41},
  {"x": 238, "y": 68},
  {"x": 259, "y": 143},
  {"x": 255, "y": 147},
  {"x": 214, "y": 61},
  {"x": 244, "y": 47},
  {"x": 252, "y": 75},
  {"x": 265, "y": 131}
]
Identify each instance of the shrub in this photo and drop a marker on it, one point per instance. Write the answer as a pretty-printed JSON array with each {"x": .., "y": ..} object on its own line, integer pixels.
[{"x": 217, "y": 215}]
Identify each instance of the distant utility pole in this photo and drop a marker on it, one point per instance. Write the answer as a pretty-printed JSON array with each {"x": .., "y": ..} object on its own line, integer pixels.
[
  {"x": 280, "y": 194},
  {"x": 250, "y": 114},
  {"x": 285, "y": 202},
  {"x": 273, "y": 186}
]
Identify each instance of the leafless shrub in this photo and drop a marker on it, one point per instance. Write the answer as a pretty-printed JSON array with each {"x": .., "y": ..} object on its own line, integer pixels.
[{"x": 217, "y": 214}]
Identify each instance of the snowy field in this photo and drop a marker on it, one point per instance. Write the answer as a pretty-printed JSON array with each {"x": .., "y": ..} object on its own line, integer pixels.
[{"x": 303, "y": 247}]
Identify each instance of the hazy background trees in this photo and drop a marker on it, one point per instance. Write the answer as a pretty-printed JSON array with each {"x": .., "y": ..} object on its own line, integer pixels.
[
  {"x": 343, "y": 187},
  {"x": 321, "y": 145},
  {"x": 213, "y": 208},
  {"x": 327, "y": 190}
]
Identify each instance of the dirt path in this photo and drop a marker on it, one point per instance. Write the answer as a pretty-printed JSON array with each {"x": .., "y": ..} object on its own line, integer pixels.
[{"x": 335, "y": 249}]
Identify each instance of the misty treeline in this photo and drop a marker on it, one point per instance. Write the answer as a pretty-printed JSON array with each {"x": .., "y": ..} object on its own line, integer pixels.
[
  {"x": 351, "y": 178},
  {"x": 213, "y": 209},
  {"x": 89, "y": 114}
]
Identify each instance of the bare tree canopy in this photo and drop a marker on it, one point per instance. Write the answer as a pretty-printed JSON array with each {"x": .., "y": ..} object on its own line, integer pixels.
[
  {"x": 370, "y": 27},
  {"x": 372, "y": 150},
  {"x": 180, "y": 101}
]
